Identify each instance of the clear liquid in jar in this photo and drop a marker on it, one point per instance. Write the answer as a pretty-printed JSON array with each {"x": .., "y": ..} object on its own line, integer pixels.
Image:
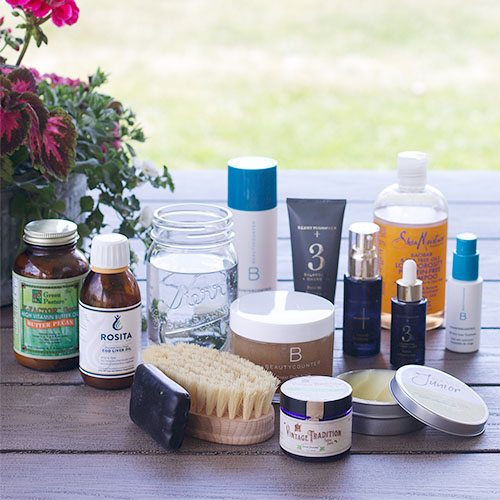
[{"x": 189, "y": 296}]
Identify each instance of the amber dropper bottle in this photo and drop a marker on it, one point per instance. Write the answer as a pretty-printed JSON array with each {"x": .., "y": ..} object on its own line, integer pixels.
[{"x": 110, "y": 316}]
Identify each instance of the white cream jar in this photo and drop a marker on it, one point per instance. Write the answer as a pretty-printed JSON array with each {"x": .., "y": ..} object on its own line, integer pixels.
[{"x": 288, "y": 333}]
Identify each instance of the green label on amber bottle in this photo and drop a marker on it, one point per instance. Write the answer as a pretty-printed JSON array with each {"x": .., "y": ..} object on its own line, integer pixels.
[{"x": 46, "y": 317}]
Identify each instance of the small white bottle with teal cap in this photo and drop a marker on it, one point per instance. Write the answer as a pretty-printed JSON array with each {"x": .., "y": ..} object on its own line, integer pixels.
[
  {"x": 252, "y": 197},
  {"x": 463, "y": 297}
]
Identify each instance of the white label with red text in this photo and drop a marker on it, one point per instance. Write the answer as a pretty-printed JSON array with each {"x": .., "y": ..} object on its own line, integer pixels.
[{"x": 314, "y": 438}]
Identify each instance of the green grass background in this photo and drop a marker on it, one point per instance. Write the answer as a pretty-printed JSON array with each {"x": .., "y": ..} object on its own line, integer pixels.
[{"x": 313, "y": 83}]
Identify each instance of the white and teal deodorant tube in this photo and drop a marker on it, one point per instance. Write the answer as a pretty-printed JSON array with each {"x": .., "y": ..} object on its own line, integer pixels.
[{"x": 252, "y": 197}]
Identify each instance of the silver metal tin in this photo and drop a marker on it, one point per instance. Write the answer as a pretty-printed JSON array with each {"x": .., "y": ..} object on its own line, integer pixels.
[
  {"x": 439, "y": 400},
  {"x": 378, "y": 418},
  {"x": 50, "y": 232}
]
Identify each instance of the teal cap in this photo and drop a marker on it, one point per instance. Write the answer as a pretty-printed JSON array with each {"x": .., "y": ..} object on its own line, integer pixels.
[
  {"x": 252, "y": 184},
  {"x": 466, "y": 258}
]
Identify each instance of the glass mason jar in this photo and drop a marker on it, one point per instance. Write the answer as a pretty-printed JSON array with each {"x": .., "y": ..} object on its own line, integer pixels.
[{"x": 192, "y": 274}]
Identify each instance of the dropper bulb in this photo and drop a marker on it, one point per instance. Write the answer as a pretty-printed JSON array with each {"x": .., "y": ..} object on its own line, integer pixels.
[{"x": 409, "y": 272}]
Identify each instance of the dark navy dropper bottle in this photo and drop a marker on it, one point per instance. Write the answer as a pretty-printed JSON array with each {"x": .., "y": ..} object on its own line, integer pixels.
[
  {"x": 362, "y": 292},
  {"x": 408, "y": 319}
]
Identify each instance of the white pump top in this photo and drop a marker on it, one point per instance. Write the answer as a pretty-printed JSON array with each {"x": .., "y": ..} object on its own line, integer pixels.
[{"x": 412, "y": 169}]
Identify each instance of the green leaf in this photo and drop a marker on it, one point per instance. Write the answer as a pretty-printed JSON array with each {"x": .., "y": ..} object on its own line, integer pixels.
[
  {"x": 95, "y": 219},
  {"x": 59, "y": 206},
  {"x": 111, "y": 174},
  {"x": 82, "y": 165},
  {"x": 18, "y": 205},
  {"x": 83, "y": 230},
  {"x": 127, "y": 229},
  {"x": 86, "y": 203},
  {"x": 20, "y": 155},
  {"x": 6, "y": 169}
]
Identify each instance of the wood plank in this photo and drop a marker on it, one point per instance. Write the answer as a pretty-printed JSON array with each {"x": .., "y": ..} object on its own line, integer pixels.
[
  {"x": 81, "y": 418},
  {"x": 481, "y": 219},
  {"x": 480, "y": 368},
  {"x": 490, "y": 317},
  {"x": 490, "y": 309},
  {"x": 489, "y": 254},
  {"x": 220, "y": 476},
  {"x": 490, "y": 270},
  {"x": 355, "y": 185}
]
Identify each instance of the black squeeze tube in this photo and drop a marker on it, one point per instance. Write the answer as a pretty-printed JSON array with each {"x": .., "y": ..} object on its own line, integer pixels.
[{"x": 316, "y": 230}]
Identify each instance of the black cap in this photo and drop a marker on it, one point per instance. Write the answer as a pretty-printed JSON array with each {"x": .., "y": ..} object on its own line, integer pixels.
[{"x": 316, "y": 397}]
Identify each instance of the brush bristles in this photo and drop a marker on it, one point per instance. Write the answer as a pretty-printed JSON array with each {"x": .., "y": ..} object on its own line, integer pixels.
[{"x": 219, "y": 383}]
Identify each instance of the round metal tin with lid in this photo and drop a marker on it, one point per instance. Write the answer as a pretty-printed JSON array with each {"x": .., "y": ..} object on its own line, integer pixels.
[
  {"x": 375, "y": 411},
  {"x": 50, "y": 232},
  {"x": 439, "y": 400},
  {"x": 315, "y": 418}
]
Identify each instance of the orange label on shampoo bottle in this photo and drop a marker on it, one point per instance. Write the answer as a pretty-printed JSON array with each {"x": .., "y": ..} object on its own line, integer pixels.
[{"x": 426, "y": 245}]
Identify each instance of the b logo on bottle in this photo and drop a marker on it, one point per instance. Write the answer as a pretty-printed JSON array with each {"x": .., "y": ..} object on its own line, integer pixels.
[{"x": 253, "y": 274}]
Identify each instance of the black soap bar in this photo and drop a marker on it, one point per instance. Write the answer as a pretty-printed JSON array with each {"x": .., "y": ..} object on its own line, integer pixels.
[{"x": 159, "y": 406}]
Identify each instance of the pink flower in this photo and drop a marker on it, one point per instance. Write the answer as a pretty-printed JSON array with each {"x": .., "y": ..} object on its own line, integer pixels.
[
  {"x": 61, "y": 80},
  {"x": 62, "y": 11},
  {"x": 36, "y": 74},
  {"x": 65, "y": 13},
  {"x": 117, "y": 143}
]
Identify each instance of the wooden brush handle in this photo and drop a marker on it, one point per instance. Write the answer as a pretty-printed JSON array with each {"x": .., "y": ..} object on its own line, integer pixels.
[{"x": 226, "y": 431}]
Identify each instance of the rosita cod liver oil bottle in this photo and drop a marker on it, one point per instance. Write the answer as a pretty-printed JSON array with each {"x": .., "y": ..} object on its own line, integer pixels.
[
  {"x": 110, "y": 316},
  {"x": 46, "y": 282},
  {"x": 413, "y": 220}
]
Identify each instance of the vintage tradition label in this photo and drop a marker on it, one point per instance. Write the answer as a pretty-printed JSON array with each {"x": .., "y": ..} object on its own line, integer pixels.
[
  {"x": 426, "y": 245},
  {"x": 314, "y": 438},
  {"x": 46, "y": 316},
  {"x": 110, "y": 340}
]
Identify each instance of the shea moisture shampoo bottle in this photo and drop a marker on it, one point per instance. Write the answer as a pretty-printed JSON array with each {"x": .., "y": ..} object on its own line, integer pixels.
[
  {"x": 413, "y": 220},
  {"x": 110, "y": 316}
]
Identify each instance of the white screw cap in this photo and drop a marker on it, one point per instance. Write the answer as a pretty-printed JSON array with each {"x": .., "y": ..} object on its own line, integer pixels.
[
  {"x": 412, "y": 169},
  {"x": 110, "y": 251}
]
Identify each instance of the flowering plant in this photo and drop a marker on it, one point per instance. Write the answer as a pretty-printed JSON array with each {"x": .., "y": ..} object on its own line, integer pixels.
[{"x": 53, "y": 126}]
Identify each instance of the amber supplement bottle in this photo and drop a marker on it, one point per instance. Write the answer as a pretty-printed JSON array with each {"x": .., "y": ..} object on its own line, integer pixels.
[
  {"x": 110, "y": 316},
  {"x": 46, "y": 282}
]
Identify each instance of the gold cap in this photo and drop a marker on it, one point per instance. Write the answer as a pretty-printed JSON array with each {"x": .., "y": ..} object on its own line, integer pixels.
[{"x": 409, "y": 288}]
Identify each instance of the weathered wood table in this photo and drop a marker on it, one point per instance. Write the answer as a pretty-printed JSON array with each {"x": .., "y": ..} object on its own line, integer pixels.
[{"x": 61, "y": 439}]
